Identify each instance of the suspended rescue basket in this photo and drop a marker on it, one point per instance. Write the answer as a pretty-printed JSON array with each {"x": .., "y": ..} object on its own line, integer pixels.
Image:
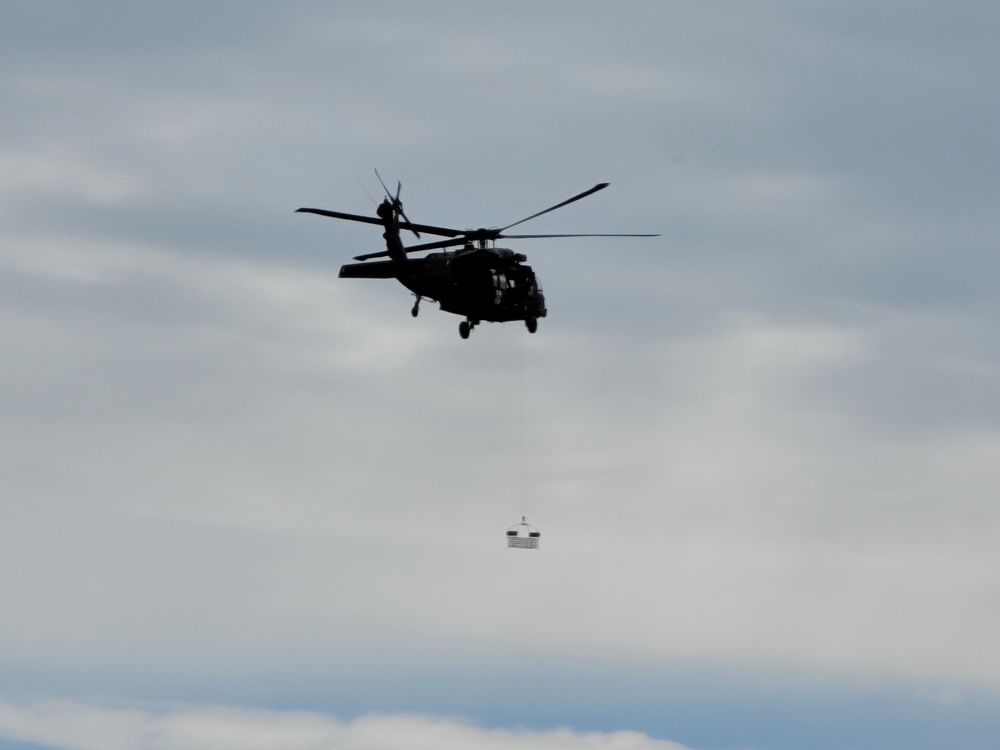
[{"x": 523, "y": 535}]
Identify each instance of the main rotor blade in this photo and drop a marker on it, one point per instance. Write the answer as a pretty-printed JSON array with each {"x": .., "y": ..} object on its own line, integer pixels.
[
  {"x": 340, "y": 215},
  {"x": 369, "y": 256},
  {"x": 584, "y": 194},
  {"x": 415, "y": 248},
  {"x": 544, "y": 236},
  {"x": 428, "y": 229},
  {"x": 435, "y": 245}
]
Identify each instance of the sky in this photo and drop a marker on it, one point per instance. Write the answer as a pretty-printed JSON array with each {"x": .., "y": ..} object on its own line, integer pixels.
[{"x": 249, "y": 504}]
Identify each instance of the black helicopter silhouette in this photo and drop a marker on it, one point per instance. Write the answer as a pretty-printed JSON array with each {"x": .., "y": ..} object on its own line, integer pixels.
[{"x": 480, "y": 281}]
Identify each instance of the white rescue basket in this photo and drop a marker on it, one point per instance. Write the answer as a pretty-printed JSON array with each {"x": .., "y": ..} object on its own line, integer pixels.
[{"x": 523, "y": 535}]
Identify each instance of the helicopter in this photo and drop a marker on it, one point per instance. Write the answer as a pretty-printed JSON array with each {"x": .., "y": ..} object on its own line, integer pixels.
[{"x": 479, "y": 281}]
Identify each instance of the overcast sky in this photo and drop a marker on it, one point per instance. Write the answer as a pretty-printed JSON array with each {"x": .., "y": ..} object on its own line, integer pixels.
[{"x": 248, "y": 504}]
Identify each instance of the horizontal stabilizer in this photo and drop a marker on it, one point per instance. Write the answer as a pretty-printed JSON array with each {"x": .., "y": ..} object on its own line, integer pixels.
[{"x": 383, "y": 269}]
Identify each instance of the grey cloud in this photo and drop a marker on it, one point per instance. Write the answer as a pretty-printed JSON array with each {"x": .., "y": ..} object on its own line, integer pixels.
[{"x": 778, "y": 404}]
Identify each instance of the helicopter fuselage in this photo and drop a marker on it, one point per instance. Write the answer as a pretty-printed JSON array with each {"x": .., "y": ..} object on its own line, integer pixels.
[{"x": 481, "y": 283}]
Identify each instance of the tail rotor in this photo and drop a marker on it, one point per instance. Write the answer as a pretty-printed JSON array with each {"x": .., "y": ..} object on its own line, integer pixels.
[{"x": 397, "y": 204}]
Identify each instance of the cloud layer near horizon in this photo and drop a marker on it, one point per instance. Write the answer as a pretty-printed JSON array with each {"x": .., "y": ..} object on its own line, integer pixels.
[{"x": 67, "y": 725}]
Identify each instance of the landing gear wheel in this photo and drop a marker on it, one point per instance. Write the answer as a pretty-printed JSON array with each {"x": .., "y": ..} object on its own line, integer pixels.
[
  {"x": 415, "y": 310},
  {"x": 531, "y": 324},
  {"x": 464, "y": 329}
]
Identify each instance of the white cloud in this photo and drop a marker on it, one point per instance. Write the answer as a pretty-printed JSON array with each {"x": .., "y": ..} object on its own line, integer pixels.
[
  {"x": 58, "y": 174},
  {"x": 81, "y": 726}
]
